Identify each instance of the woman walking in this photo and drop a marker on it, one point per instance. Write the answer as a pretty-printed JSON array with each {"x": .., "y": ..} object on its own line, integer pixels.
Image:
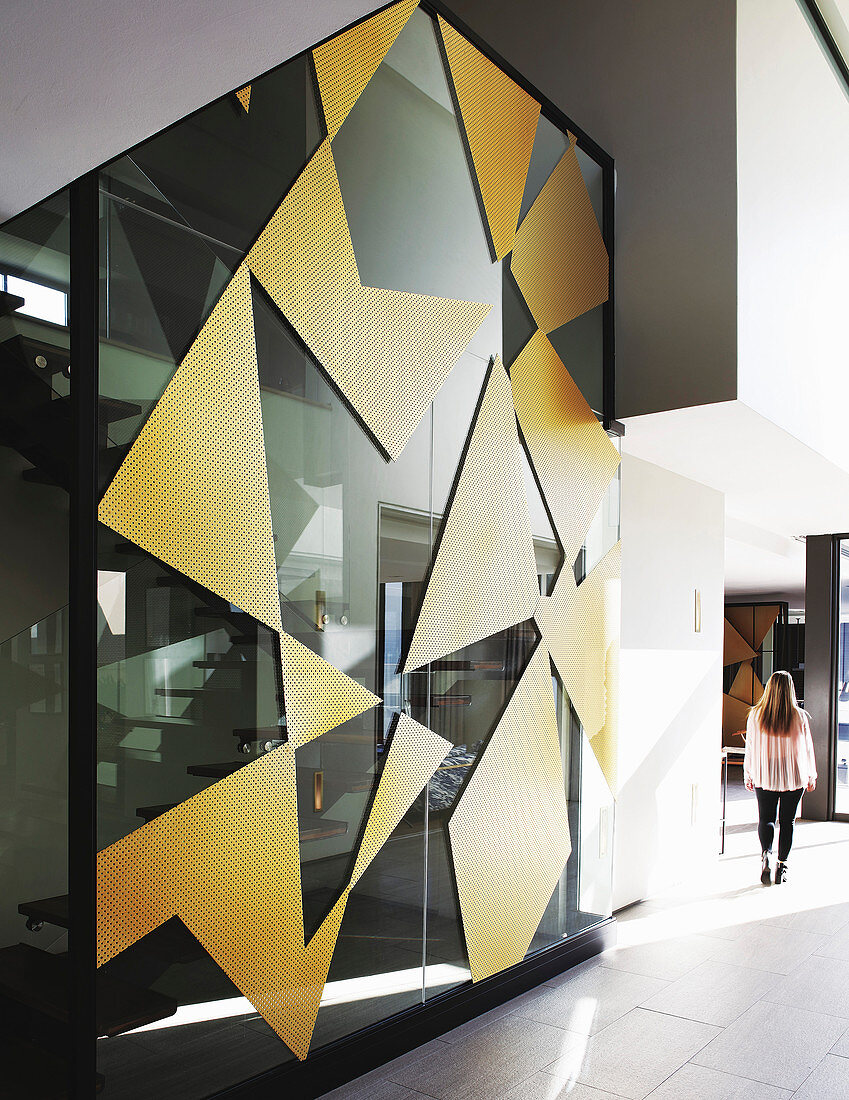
[{"x": 778, "y": 766}]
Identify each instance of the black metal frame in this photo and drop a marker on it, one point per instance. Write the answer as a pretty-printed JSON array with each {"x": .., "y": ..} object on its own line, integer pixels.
[
  {"x": 364, "y": 1049},
  {"x": 833, "y": 814}
]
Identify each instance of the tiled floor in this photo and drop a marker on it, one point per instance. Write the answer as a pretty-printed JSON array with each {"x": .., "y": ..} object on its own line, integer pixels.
[{"x": 719, "y": 989}]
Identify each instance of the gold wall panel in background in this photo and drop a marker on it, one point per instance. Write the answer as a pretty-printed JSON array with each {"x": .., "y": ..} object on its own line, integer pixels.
[
  {"x": 345, "y": 64},
  {"x": 571, "y": 452},
  {"x": 414, "y": 754},
  {"x": 244, "y": 97},
  {"x": 500, "y": 121},
  {"x": 752, "y": 621},
  {"x": 387, "y": 351},
  {"x": 193, "y": 490},
  {"x": 735, "y": 647},
  {"x": 746, "y": 686},
  {"x": 559, "y": 259},
  {"x": 580, "y": 625},
  {"x": 484, "y": 575},
  {"x": 227, "y": 863},
  {"x": 317, "y": 696},
  {"x": 510, "y": 830}
]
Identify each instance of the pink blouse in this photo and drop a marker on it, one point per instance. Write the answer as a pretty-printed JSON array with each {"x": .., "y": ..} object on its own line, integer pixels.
[{"x": 779, "y": 763}]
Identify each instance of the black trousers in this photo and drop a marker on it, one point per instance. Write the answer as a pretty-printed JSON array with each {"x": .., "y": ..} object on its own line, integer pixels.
[{"x": 784, "y": 805}]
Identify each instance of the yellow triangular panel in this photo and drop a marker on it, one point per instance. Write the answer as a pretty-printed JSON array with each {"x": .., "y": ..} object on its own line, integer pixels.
[
  {"x": 580, "y": 627},
  {"x": 317, "y": 696},
  {"x": 746, "y": 686},
  {"x": 500, "y": 120},
  {"x": 193, "y": 490},
  {"x": 510, "y": 830},
  {"x": 345, "y": 64},
  {"x": 415, "y": 753},
  {"x": 572, "y": 454},
  {"x": 244, "y": 97},
  {"x": 387, "y": 351},
  {"x": 735, "y": 647},
  {"x": 484, "y": 575},
  {"x": 227, "y": 863},
  {"x": 559, "y": 259}
]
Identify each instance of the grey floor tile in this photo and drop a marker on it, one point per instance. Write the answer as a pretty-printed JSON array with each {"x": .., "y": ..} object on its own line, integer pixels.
[
  {"x": 543, "y": 1087},
  {"x": 829, "y": 1081},
  {"x": 836, "y": 946},
  {"x": 693, "y": 1082},
  {"x": 773, "y": 1043},
  {"x": 371, "y": 1087},
  {"x": 714, "y": 993},
  {"x": 509, "y": 1008},
  {"x": 666, "y": 959},
  {"x": 824, "y": 921},
  {"x": 765, "y": 947},
  {"x": 635, "y": 1054},
  {"x": 590, "y": 1001},
  {"x": 489, "y": 1063},
  {"x": 818, "y": 983}
]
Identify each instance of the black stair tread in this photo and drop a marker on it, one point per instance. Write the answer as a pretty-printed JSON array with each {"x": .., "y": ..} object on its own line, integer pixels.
[
  {"x": 10, "y": 302},
  {"x": 47, "y": 910},
  {"x": 224, "y": 664},
  {"x": 151, "y": 723},
  {"x": 41, "y": 982},
  {"x": 150, "y": 812},
  {"x": 216, "y": 771},
  {"x": 190, "y": 693},
  {"x": 24, "y": 349},
  {"x": 322, "y": 830},
  {"x": 31, "y": 1071}
]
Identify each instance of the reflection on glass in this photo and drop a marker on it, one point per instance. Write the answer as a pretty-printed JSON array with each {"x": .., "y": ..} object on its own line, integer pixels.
[
  {"x": 35, "y": 463},
  {"x": 841, "y": 793}
]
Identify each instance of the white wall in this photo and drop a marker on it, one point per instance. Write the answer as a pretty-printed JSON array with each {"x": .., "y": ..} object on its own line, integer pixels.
[
  {"x": 671, "y": 680},
  {"x": 793, "y": 221}
]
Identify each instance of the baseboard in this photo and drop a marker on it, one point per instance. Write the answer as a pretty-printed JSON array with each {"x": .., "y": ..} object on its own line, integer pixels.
[{"x": 365, "y": 1050}]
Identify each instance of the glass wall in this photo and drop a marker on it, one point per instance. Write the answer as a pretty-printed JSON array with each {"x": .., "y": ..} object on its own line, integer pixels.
[
  {"x": 357, "y": 604},
  {"x": 841, "y": 791},
  {"x": 35, "y": 433}
]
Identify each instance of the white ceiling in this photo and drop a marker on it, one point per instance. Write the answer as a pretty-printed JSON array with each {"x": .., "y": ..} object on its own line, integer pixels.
[
  {"x": 81, "y": 82},
  {"x": 776, "y": 488}
]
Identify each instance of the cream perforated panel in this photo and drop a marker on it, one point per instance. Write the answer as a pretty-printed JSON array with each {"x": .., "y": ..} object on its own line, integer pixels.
[
  {"x": 573, "y": 457},
  {"x": 388, "y": 351},
  {"x": 510, "y": 830},
  {"x": 500, "y": 121},
  {"x": 415, "y": 753},
  {"x": 484, "y": 577},
  {"x": 317, "y": 696},
  {"x": 559, "y": 259},
  {"x": 346, "y": 63},
  {"x": 580, "y": 627},
  {"x": 194, "y": 489},
  {"x": 244, "y": 97}
]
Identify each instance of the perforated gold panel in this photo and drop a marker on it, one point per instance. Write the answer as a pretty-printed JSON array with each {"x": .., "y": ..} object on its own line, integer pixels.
[
  {"x": 227, "y": 863},
  {"x": 484, "y": 576},
  {"x": 510, "y": 830},
  {"x": 346, "y": 63},
  {"x": 746, "y": 685},
  {"x": 752, "y": 621},
  {"x": 580, "y": 627},
  {"x": 194, "y": 490},
  {"x": 414, "y": 755},
  {"x": 244, "y": 97},
  {"x": 573, "y": 457},
  {"x": 387, "y": 351},
  {"x": 317, "y": 696},
  {"x": 559, "y": 259},
  {"x": 500, "y": 121}
]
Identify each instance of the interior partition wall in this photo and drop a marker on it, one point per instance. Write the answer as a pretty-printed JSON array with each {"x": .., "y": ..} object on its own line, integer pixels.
[{"x": 329, "y": 412}]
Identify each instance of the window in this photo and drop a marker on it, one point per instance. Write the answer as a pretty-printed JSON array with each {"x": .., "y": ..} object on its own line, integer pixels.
[{"x": 42, "y": 302}]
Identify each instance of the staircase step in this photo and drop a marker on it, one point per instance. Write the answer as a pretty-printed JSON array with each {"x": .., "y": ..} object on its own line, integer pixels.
[
  {"x": 261, "y": 733},
  {"x": 229, "y": 665},
  {"x": 47, "y": 911},
  {"x": 148, "y": 813},
  {"x": 41, "y": 982},
  {"x": 216, "y": 771},
  {"x": 9, "y": 303}
]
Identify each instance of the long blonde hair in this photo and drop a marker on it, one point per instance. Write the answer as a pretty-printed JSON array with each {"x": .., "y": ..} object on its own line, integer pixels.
[{"x": 777, "y": 709}]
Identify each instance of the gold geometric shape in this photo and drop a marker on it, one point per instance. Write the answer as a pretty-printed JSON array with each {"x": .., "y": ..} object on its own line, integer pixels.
[
  {"x": 414, "y": 754},
  {"x": 735, "y": 714},
  {"x": 500, "y": 121},
  {"x": 580, "y": 627},
  {"x": 484, "y": 576},
  {"x": 244, "y": 97},
  {"x": 227, "y": 863},
  {"x": 510, "y": 830},
  {"x": 735, "y": 647},
  {"x": 346, "y": 63},
  {"x": 317, "y": 697},
  {"x": 746, "y": 686},
  {"x": 559, "y": 259},
  {"x": 752, "y": 621},
  {"x": 193, "y": 490},
  {"x": 387, "y": 351},
  {"x": 572, "y": 454}
]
